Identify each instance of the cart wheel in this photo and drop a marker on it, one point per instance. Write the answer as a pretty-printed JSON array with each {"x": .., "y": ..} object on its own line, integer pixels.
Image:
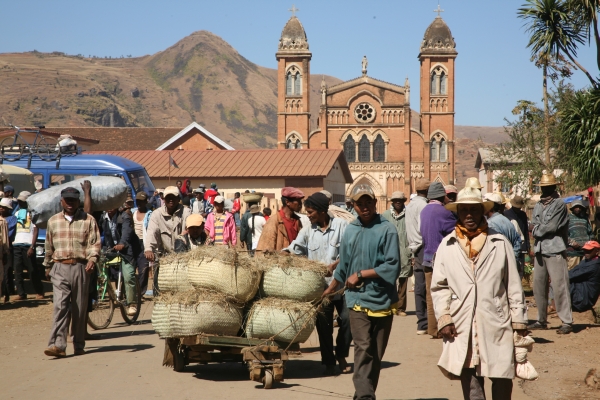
[{"x": 268, "y": 379}]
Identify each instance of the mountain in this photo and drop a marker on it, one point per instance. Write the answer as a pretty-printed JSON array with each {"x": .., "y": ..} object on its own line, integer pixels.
[{"x": 200, "y": 78}]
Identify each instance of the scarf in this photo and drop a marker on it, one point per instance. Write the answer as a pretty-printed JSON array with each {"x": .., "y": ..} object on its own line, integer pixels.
[
  {"x": 547, "y": 200},
  {"x": 395, "y": 215},
  {"x": 472, "y": 242}
]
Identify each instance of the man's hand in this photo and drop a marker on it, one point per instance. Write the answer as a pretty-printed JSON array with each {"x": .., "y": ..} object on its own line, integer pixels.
[
  {"x": 119, "y": 247},
  {"x": 149, "y": 255},
  {"x": 86, "y": 186},
  {"x": 448, "y": 332},
  {"x": 330, "y": 268},
  {"x": 30, "y": 252},
  {"x": 353, "y": 281},
  {"x": 328, "y": 291},
  {"x": 89, "y": 268}
]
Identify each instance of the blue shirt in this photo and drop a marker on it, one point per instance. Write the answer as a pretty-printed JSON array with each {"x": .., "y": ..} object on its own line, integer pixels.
[{"x": 502, "y": 225}]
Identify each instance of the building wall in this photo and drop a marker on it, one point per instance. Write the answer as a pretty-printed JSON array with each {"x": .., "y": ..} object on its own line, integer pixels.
[
  {"x": 293, "y": 112},
  {"x": 335, "y": 183}
]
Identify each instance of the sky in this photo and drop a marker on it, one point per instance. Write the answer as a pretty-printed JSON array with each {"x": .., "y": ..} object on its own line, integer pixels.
[{"x": 493, "y": 68}]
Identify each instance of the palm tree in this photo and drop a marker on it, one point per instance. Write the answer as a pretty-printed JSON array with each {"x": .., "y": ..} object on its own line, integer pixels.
[
  {"x": 554, "y": 31},
  {"x": 587, "y": 13}
]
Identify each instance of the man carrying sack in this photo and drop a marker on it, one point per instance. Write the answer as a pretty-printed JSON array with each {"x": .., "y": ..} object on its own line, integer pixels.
[{"x": 72, "y": 250}]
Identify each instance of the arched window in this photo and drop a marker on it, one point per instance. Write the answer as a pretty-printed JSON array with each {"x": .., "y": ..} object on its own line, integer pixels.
[
  {"x": 297, "y": 84},
  {"x": 443, "y": 83},
  {"x": 379, "y": 149},
  {"x": 443, "y": 150},
  {"x": 291, "y": 144},
  {"x": 298, "y": 145},
  {"x": 364, "y": 149},
  {"x": 288, "y": 84},
  {"x": 434, "y": 151},
  {"x": 434, "y": 89},
  {"x": 350, "y": 149}
]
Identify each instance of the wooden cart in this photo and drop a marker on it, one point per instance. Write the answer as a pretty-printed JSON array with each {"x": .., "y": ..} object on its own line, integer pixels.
[{"x": 265, "y": 359}]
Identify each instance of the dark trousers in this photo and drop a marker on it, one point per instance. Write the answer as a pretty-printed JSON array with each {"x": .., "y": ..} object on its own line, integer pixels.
[
  {"x": 325, "y": 331},
  {"x": 431, "y": 320},
  {"x": 22, "y": 261},
  {"x": 8, "y": 283},
  {"x": 143, "y": 269},
  {"x": 370, "y": 336},
  {"x": 420, "y": 296},
  {"x": 472, "y": 386},
  {"x": 402, "y": 289},
  {"x": 155, "y": 270}
]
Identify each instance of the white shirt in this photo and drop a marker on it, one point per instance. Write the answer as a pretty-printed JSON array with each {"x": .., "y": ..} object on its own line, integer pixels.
[{"x": 259, "y": 223}]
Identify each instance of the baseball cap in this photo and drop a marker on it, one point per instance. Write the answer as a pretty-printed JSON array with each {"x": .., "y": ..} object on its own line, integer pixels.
[
  {"x": 398, "y": 196},
  {"x": 24, "y": 195},
  {"x": 171, "y": 190},
  {"x": 69, "y": 193},
  {"x": 6, "y": 203},
  {"x": 494, "y": 197},
  {"x": 219, "y": 199},
  {"x": 360, "y": 191},
  {"x": 141, "y": 196},
  {"x": 592, "y": 244},
  {"x": 194, "y": 220},
  {"x": 202, "y": 185}
]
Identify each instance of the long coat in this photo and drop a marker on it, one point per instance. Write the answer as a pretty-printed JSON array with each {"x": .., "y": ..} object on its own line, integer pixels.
[
  {"x": 274, "y": 236},
  {"x": 493, "y": 293}
]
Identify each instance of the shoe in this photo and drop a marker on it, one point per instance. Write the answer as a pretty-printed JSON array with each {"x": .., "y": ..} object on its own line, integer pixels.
[
  {"x": 421, "y": 332},
  {"x": 565, "y": 329},
  {"x": 131, "y": 310},
  {"x": 54, "y": 351},
  {"x": 400, "y": 313},
  {"x": 345, "y": 368},
  {"x": 537, "y": 326},
  {"x": 39, "y": 297},
  {"x": 79, "y": 352}
]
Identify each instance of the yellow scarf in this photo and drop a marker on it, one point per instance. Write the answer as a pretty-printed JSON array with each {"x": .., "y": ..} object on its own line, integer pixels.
[{"x": 472, "y": 242}]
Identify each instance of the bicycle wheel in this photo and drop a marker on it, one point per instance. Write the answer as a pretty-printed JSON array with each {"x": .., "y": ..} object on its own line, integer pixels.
[
  {"x": 122, "y": 301},
  {"x": 47, "y": 148},
  {"x": 104, "y": 308},
  {"x": 12, "y": 147}
]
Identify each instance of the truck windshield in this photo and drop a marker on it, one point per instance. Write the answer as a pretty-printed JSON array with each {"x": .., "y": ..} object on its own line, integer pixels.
[{"x": 141, "y": 181}]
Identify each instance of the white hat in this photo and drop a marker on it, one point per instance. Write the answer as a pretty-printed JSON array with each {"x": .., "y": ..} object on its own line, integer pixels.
[
  {"x": 495, "y": 197},
  {"x": 171, "y": 190},
  {"x": 469, "y": 195},
  {"x": 6, "y": 202},
  {"x": 24, "y": 195},
  {"x": 219, "y": 199}
]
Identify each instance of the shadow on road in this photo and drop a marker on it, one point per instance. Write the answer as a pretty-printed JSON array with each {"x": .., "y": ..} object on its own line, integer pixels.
[
  {"x": 119, "y": 334},
  {"x": 131, "y": 348},
  {"x": 13, "y": 305}
]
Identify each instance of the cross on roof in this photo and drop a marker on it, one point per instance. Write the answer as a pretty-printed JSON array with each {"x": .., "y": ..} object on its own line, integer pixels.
[
  {"x": 294, "y": 10},
  {"x": 438, "y": 10}
]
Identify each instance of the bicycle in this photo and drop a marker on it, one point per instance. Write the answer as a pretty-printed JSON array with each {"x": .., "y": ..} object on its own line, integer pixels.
[
  {"x": 109, "y": 296},
  {"x": 13, "y": 147}
]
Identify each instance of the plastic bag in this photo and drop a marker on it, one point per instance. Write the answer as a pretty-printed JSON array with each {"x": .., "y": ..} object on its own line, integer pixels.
[
  {"x": 108, "y": 192},
  {"x": 526, "y": 371}
]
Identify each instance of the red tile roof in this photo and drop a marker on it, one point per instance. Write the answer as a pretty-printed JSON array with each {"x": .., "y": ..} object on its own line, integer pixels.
[
  {"x": 239, "y": 163},
  {"x": 121, "y": 138}
]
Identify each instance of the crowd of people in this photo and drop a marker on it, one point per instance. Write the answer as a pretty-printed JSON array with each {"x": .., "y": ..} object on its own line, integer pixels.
[{"x": 464, "y": 253}]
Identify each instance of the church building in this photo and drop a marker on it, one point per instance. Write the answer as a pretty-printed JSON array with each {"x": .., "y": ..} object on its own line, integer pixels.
[{"x": 387, "y": 146}]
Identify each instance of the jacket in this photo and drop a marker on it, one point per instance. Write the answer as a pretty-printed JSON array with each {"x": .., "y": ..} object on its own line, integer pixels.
[
  {"x": 125, "y": 235},
  {"x": 164, "y": 229},
  {"x": 501, "y": 224},
  {"x": 585, "y": 284},
  {"x": 436, "y": 223},
  {"x": 274, "y": 237},
  {"x": 229, "y": 235},
  {"x": 493, "y": 293},
  {"x": 373, "y": 246},
  {"x": 406, "y": 270},
  {"x": 520, "y": 217},
  {"x": 580, "y": 231},
  {"x": 550, "y": 227},
  {"x": 413, "y": 223}
]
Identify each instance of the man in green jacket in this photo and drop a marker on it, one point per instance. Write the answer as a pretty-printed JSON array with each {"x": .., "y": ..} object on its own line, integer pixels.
[
  {"x": 396, "y": 215},
  {"x": 369, "y": 267}
]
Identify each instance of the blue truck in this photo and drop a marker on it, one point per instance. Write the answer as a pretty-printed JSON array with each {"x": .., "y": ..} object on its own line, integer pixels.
[{"x": 75, "y": 166}]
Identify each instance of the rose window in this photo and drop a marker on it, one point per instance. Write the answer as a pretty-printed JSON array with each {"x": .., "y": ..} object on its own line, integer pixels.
[{"x": 364, "y": 112}]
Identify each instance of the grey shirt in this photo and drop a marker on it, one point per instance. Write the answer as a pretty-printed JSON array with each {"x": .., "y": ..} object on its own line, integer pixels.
[
  {"x": 413, "y": 223},
  {"x": 550, "y": 227}
]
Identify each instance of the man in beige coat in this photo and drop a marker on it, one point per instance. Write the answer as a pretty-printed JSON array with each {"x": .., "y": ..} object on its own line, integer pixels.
[{"x": 478, "y": 301}]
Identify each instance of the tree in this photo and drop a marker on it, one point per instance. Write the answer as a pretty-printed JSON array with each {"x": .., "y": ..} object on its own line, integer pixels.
[{"x": 587, "y": 12}]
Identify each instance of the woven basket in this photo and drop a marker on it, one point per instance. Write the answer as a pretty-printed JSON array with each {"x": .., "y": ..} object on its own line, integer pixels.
[
  {"x": 289, "y": 325},
  {"x": 292, "y": 283},
  {"x": 252, "y": 197},
  {"x": 176, "y": 320},
  {"x": 173, "y": 276},
  {"x": 235, "y": 281}
]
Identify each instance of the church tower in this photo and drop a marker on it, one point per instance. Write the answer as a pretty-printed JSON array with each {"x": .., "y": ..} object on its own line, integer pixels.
[
  {"x": 293, "y": 83},
  {"x": 437, "y": 56}
]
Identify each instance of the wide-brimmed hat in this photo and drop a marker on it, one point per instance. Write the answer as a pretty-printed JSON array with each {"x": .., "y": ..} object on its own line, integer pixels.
[
  {"x": 547, "y": 180},
  {"x": 493, "y": 197},
  {"x": 517, "y": 202},
  {"x": 24, "y": 195},
  {"x": 254, "y": 209},
  {"x": 469, "y": 195},
  {"x": 473, "y": 183},
  {"x": 422, "y": 184},
  {"x": 398, "y": 195}
]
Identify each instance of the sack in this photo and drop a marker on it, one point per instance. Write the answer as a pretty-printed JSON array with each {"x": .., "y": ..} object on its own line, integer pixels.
[
  {"x": 173, "y": 275},
  {"x": 285, "y": 320},
  {"x": 232, "y": 280},
  {"x": 292, "y": 283},
  {"x": 526, "y": 371},
  {"x": 108, "y": 192}
]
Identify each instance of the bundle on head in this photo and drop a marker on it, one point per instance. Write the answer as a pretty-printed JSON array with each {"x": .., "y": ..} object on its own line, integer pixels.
[
  {"x": 194, "y": 312},
  {"x": 284, "y": 320},
  {"x": 225, "y": 270},
  {"x": 292, "y": 277},
  {"x": 173, "y": 276}
]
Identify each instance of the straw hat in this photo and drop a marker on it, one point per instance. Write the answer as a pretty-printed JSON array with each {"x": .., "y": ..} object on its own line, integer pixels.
[
  {"x": 473, "y": 183},
  {"x": 547, "y": 180},
  {"x": 517, "y": 202},
  {"x": 470, "y": 195}
]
